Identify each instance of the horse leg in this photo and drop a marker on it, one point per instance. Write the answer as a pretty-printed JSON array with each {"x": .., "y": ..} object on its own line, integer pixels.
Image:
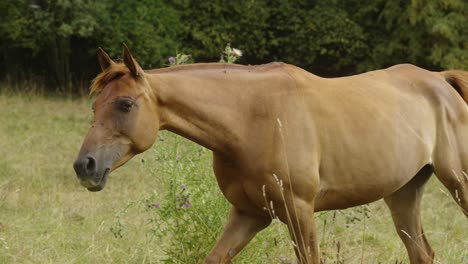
[
  {"x": 239, "y": 230},
  {"x": 299, "y": 216},
  {"x": 455, "y": 180},
  {"x": 405, "y": 208},
  {"x": 451, "y": 168}
]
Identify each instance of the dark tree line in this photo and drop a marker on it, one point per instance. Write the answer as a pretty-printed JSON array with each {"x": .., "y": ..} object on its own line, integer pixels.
[{"x": 55, "y": 41}]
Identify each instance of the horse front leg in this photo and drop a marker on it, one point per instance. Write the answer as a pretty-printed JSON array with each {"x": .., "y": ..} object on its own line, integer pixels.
[
  {"x": 299, "y": 216},
  {"x": 239, "y": 230}
]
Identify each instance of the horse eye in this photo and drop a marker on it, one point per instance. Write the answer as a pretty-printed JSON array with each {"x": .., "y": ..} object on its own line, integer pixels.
[{"x": 125, "y": 105}]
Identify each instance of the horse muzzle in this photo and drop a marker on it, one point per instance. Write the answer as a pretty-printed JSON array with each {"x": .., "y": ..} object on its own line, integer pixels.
[{"x": 91, "y": 177}]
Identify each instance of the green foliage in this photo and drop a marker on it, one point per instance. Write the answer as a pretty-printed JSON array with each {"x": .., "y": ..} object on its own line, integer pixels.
[
  {"x": 431, "y": 34},
  {"x": 57, "y": 39},
  {"x": 150, "y": 28},
  {"x": 59, "y": 33},
  {"x": 314, "y": 36},
  {"x": 337, "y": 42},
  {"x": 212, "y": 24},
  {"x": 39, "y": 36}
]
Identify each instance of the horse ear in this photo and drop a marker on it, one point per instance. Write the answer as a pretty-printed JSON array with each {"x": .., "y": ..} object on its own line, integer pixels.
[
  {"x": 104, "y": 60},
  {"x": 131, "y": 63}
]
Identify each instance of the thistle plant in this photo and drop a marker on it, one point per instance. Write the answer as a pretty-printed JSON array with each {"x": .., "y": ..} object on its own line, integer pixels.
[
  {"x": 187, "y": 219},
  {"x": 180, "y": 58},
  {"x": 230, "y": 55}
]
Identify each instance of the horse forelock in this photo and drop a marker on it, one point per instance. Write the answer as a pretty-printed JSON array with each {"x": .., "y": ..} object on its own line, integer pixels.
[{"x": 114, "y": 72}]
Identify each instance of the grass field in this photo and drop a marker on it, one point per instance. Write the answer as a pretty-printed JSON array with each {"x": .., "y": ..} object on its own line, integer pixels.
[{"x": 47, "y": 217}]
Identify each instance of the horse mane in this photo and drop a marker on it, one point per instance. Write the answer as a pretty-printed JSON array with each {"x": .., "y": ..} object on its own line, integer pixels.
[
  {"x": 214, "y": 66},
  {"x": 114, "y": 72},
  {"x": 119, "y": 69}
]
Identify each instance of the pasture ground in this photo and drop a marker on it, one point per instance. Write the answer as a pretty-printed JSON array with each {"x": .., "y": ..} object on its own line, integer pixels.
[{"x": 47, "y": 217}]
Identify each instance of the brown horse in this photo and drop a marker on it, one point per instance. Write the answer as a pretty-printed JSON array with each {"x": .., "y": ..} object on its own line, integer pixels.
[{"x": 282, "y": 136}]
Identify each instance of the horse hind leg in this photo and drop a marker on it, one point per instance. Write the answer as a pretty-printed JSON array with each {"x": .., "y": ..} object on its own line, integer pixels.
[
  {"x": 456, "y": 181},
  {"x": 404, "y": 206},
  {"x": 451, "y": 168}
]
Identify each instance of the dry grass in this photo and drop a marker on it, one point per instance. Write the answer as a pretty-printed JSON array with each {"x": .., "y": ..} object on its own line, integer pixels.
[{"x": 47, "y": 217}]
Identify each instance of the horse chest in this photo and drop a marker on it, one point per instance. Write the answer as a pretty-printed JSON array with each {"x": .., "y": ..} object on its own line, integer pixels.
[{"x": 232, "y": 181}]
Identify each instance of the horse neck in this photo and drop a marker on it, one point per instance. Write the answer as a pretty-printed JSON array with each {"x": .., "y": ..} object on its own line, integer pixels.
[{"x": 199, "y": 108}]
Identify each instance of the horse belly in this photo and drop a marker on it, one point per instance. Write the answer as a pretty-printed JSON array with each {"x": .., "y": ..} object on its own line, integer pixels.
[
  {"x": 371, "y": 167},
  {"x": 333, "y": 198}
]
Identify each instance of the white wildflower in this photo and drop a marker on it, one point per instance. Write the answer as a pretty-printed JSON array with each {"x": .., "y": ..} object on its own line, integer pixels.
[{"x": 237, "y": 52}]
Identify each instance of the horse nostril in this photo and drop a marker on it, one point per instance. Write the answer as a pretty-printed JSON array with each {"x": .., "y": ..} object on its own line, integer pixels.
[
  {"x": 85, "y": 167},
  {"x": 90, "y": 165}
]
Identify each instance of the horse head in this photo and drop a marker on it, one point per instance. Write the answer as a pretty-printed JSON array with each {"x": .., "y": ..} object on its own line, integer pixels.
[{"x": 125, "y": 120}]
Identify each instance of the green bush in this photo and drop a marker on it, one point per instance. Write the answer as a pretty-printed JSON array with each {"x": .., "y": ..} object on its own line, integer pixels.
[{"x": 57, "y": 40}]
